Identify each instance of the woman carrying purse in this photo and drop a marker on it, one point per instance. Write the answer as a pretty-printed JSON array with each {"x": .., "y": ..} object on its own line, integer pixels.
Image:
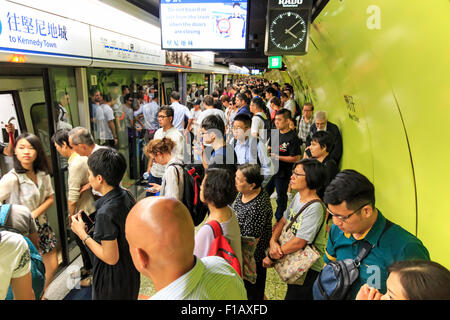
[{"x": 307, "y": 177}]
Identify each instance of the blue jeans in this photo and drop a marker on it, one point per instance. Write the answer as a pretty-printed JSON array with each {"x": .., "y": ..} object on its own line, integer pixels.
[
  {"x": 152, "y": 179},
  {"x": 281, "y": 185}
]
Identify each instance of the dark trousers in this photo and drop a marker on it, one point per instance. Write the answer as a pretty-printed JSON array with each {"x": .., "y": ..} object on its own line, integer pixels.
[
  {"x": 302, "y": 292},
  {"x": 281, "y": 185},
  {"x": 132, "y": 153},
  {"x": 256, "y": 291},
  {"x": 87, "y": 264}
]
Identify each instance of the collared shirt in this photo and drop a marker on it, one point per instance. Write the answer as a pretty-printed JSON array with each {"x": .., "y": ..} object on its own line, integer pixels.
[
  {"x": 303, "y": 129},
  {"x": 178, "y": 152},
  {"x": 244, "y": 109},
  {"x": 180, "y": 111},
  {"x": 78, "y": 176},
  {"x": 396, "y": 244},
  {"x": 150, "y": 111},
  {"x": 103, "y": 115},
  {"x": 17, "y": 188},
  {"x": 244, "y": 154},
  {"x": 211, "y": 278}
]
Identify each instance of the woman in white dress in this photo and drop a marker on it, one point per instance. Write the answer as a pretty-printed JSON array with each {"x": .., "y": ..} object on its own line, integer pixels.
[{"x": 29, "y": 184}]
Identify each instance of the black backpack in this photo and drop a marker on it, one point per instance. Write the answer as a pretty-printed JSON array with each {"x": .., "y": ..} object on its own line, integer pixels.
[{"x": 191, "y": 193}]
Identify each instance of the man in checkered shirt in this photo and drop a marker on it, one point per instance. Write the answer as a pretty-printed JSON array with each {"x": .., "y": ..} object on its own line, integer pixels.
[{"x": 305, "y": 123}]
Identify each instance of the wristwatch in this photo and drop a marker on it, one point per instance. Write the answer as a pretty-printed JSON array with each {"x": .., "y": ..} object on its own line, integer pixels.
[{"x": 85, "y": 239}]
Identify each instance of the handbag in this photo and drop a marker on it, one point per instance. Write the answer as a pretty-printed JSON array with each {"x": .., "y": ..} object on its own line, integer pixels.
[
  {"x": 248, "y": 245},
  {"x": 292, "y": 267}
]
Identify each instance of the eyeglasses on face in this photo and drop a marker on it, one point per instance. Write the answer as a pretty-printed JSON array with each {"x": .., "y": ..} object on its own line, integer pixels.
[
  {"x": 345, "y": 218},
  {"x": 162, "y": 117},
  {"x": 298, "y": 174}
]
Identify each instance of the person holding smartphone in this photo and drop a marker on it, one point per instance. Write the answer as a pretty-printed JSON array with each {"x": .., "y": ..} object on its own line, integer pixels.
[{"x": 114, "y": 275}]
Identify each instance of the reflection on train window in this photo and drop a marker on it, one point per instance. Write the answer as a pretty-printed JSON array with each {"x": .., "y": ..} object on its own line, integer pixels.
[{"x": 38, "y": 115}]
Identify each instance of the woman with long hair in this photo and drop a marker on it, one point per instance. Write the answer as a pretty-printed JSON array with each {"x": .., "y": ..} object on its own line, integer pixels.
[{"x": 29, "y": 184}]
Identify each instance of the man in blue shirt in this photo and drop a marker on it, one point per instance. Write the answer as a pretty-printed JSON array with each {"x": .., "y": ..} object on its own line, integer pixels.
[
  {"x": 350, "y": 198},
  {"x": 242, "y": 102},
  {"x": 181, "y": 113}
]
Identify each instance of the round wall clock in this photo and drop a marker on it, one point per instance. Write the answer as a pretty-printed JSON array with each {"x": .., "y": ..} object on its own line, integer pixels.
[{"x": 287, "y": 31}]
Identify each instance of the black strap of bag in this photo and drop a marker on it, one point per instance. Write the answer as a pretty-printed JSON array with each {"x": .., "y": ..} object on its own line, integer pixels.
[{"x": 301, "y": 210}]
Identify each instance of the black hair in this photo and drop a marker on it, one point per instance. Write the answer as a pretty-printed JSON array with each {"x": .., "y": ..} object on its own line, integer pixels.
[
  {"x": 272, "y": 91},
  {"x": 214, "y": 122},
  {"x": 259, "y": 102},
  {"x": 352, "y": 187},
  {"x": 127, "y": 96},
  {"x": 285, "y": 113},
  {"x": 219, "y": 188},
  {"x": 125, "y": 87},
  {"x": 175, "y": 95},
  {"x": 60, "y": 137},
  {"x": 168, "y": 110},
  {"x": 423, "y": 279},
  {"x": 309, "y": 104},
  {"x": 245, "y": 118},
  {"x": 208, "y": 100},
  {"x": 315, "y": 173},
  {"x": 324, "y": 138},
  {"x": 109, "y": 163},
  {"x": 252, "y": 174},
  {"x": 243, "y": 96},
  {"x": 40, "y": 163},
  {"x": 218, "y": 105}
]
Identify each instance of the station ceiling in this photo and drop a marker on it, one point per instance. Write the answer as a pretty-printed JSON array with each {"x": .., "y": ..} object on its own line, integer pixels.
[{"x": 254, "y": 56}]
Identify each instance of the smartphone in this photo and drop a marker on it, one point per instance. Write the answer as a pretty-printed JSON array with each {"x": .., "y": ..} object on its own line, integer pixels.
[
  {"x": 87, "y": 220},
  {"x": 151, "y": 190}
]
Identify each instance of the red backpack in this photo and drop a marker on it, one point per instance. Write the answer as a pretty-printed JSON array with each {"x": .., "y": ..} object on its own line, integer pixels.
[{"x": 221, "y": 248}]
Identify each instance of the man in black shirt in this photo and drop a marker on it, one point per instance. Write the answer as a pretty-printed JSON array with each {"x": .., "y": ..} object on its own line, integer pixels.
[
  {"x": 289, "y": 153},
  {"x": 114, "y": 274}
]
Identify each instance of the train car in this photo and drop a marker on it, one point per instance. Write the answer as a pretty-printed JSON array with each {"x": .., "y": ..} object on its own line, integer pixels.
[{"x": 53, "y": 53}]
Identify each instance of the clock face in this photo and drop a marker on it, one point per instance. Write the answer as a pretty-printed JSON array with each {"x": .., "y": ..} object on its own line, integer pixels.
[{"x": 287, "y": 31}]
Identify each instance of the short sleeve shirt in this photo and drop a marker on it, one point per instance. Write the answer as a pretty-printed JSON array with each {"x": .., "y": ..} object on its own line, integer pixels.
[
  {"x": 289, "y": 146},
  {"x": 21, "y": 219},
  {"x": 15, "y": 259},
  {"x": 175, "y": 135}
]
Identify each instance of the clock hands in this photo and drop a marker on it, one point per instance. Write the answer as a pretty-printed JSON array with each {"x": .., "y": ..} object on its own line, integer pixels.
[{"x": 289, "y": 30}]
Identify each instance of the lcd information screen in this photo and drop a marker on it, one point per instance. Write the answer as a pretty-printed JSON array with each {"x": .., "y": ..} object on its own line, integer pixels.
[{"x": 203, "y": 25}]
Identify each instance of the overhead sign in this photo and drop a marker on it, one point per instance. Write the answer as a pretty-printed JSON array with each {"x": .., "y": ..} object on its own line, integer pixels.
[
  {"x": 287, "y": 27},
  {"x": 30, "y": 31},
  {"x": 275, "y": 62}
]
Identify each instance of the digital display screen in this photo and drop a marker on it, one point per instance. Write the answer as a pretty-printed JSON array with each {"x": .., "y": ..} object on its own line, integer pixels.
[{"x": 203, "y": 24}]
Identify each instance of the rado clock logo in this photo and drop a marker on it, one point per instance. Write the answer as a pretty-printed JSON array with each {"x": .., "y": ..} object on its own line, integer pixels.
[{"x": 290, "y": 3}]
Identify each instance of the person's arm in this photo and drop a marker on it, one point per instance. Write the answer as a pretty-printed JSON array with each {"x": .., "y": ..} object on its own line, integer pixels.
[
  {"x": 112, "y": 127},
  {"x": 8, "y": 151},
  {"x": 107, "y": 250},
  {"x": 290, "y": 159},
  {"x": 275, "y": 248},
  {"x": 44, "y": 206},
  {"x": 22, "y": 287}
]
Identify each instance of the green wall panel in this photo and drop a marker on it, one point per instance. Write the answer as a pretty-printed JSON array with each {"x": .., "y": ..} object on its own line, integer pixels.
[{"x": 387, "y": 89}]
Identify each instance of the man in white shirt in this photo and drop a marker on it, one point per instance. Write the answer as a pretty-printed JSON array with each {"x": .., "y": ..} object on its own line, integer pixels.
[
  {"x": 260, "y": 122},
  {"x": 181, "y": 112},
  {"x": 106, "y": 129},
  {"x": 208, "y": 104}
]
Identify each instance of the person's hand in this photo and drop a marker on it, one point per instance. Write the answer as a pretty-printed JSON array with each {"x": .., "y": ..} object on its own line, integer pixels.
[
  {"x": 78, "y": 226},
  {"x": 368, "y": 293},
  {"x": 154, "y": 188},
  {"x": 275, "y": 156},
  {"x": 116, "y": 142},
  {"x": 10, "y": 128},
  {"x": 267, "y": 263},
  {"x": 86, "y": 187},
  {"x": 275, "y": 251}
]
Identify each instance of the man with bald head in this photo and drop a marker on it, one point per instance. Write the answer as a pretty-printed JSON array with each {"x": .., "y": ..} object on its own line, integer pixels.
[{"x": 160, "y": 233}]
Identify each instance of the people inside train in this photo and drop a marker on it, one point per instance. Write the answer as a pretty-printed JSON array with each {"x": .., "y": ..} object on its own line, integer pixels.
[
  {"x": 412, "y": 280},
  {"x": 172, "y": 184},
  {"x": 305, "y": 122},
  {"x": 114, "y": 275},
  {"x": 78, "y": 176},
  {"x": 350, "y": 198},
  {"x": 321, "y": 123},
  {"x": 63, "y": 106},
  {"x": 15, "y": 266},
  {"x": 254, "y": 214},
  {"x": 161, "y": 235},
  {"x": 156, "y": 170},
  {"x": 150, "y": 114},
  {"x": 106, "y": 128},
  {"x": 125, "y": 91},
  {"x": 182, "y": 118},
  {"x": 309, "y": 228},
  {"x": 190, "y": 94},
  {"x": 196, "y": 111},
  {"x": 287, "y": 153},
  {"x": 250, "y": 149},
  {"x": 95, "y": 101},
  {"x": 29, "y": 184},
  {"x": 243, "y": 104},
  {"x": 130, "y": 124},
  {"x": 218, "y": 191},
  {"x": 214, "y": 151},
  {"x": 321, "y": 142}
]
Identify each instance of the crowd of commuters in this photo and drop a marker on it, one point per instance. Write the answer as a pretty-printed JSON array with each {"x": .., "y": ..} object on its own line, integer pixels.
[{"x": 246, "y": 142}]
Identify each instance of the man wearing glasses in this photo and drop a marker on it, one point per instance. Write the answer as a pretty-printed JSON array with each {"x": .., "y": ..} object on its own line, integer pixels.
[
  {"x": 350, "y": 199},
  {"x": 305, "y": 123}
]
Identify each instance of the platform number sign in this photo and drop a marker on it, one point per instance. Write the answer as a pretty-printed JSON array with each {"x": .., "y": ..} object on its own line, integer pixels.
[{"x": 287, "y": 27}]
